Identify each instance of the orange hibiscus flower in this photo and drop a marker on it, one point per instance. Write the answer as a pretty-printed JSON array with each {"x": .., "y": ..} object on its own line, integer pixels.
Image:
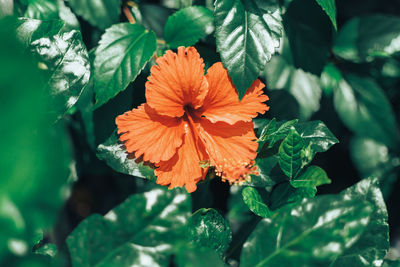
[{"x": 191, "y": 118}]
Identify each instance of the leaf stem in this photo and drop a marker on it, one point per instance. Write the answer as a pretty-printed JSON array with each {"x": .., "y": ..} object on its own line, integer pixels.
[{"x": 128, "y": 15}]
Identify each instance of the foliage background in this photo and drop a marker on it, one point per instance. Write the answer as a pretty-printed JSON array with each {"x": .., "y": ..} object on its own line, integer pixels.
[{"x": 62, "y": 85}]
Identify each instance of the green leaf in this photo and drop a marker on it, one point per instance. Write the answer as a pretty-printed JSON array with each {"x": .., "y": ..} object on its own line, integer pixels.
[
  {"x": 114, "y": 154},
  {"x": 65, "y": 61},
  {"x": 188, "y": 25},
  {"x": 197, "y": 257},
  {"x": 123, "y": 51},
  {"x": 290, "y": 154},
  {"x": 313, "y": 176},
  {"x": 140, "y": 231},
  {"x": 99, "y": 13},
  {"x": 255, "y": 203},
  {"x": 312, "y": 233},
  {"x": 364, "y": 38},
  {"x": 152, "y": 17},
  {"x": 6, "y": 8},
  {"x": 330, "y": 79},
  {"x": 372, "y": 246},
  {"x": 364, "y": 108},
  {"x": 316, "y": 136},
  {"x": 207, "y": 228},
  {"x": 247, "y": 34},
  {"x": 42, "y": 9},
  {"x": 281, "y": 74},
  {"x": 35, "y": 153},
  {"x": 272, "y": 135},
  {"x": 265, "y": 166},
  {"x": 329, "y": 7},
  {"x": 309, "y": 31}
]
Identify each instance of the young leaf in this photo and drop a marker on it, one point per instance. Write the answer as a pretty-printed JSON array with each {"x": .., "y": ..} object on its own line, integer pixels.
[
  {"x": 141, "y": 230},
  {"x": 329, "y": 7},
  {"x": 188, "y": 25},
  {"x": 123, "y": 52},
  {"x": 247, "y": 34},
  {"x": 207, "y": 228},
  {"x": 313, "y": 176},
  {"x": 312, "y": 233},
  {"x": 99, "y": 13},
  {"x": 115, "y": 155},
  {"x": 365, "y": 38},
  {"x": 290, "y": 154},
  {"x": 255, "y": 203},
  {"x": 371, "y": 248},
  {"x": 364, "y": 108},
  {"x": 316, "y": 135}
]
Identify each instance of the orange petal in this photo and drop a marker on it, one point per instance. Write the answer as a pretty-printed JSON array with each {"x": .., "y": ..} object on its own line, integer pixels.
[
  {"x": 222, "y": 102},
  {"x": 231, "y": 148},
  {"x": 183, "y": 169},
  {"x": 149, "y": 134},
  {"x": 178, "y": 80}
]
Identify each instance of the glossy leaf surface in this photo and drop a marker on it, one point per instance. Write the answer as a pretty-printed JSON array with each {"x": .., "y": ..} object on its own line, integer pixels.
[
  {"x": 247, "y": 34},
  {"x": 290, "y": 154},
  {"x": 255, "y": 203},
  {"x": 329, "y": 7},
  {"x": 313, "y": 176},
  {"x": 188, "y": 25},
  {"x": 314, "y": 232},
  {"x": 123, "y": 51},
  {"x": 113, "y": 152},
  {"x": 140, "y": 232},
  {"x": 207, "y": 228}
]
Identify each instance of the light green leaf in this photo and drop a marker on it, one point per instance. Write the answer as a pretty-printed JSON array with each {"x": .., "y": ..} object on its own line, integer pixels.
[
  {"x": 290, "y": 154},
  {"x": 207, "y": 228},
  {"x": 364, "y": 108},
  {"x": 364, "y": 38},
  {"x": 35, "y": 153},
  {"x": 6, "y": 8},
  {"x": 139, "y": 232},
  {"x": 313, "y": 176},
  {"x": 329, "y": 7},
  {"x": 188, "y": 25},
  {"x": 312, "y": 233},
  {"x": 114, "y": 154},
  {"x": 371, "y": 248},
  {"x": 42, "y": 9},
  {"x": 123, "y": 52},
  {"x": 99, "y": 13},
  {"x": 255, "y": 203},
  {"x": 247, "y": 35}
]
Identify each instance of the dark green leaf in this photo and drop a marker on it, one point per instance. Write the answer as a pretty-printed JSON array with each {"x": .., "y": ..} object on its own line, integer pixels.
[
  {"x": 114, "y": 154},
  {"x": 330, "y": 8},
  {"x": 101, "y": 13},
  {"x": 255, "y": 203},
  {"x": 123, "y": 52},
  {"x": 272, "y": 133},
  {"x": 139, "y": 232},
  {"x": 153, "y": 17},
  {"x": 207, "y": 228},
  {"x": 188, "y": 25},
  {"x": 372, "y": 246},
  {"x": 365, "y": 38},
  {"x": 312, "y": 233},
  {"x": 330, "y": 79},
  {"x": 265, "y": 165},
  {"x": 309, "y": 31},
  {"x": 364, "y": 108},
  {"x": 247, "y": 34},
  {"x": 290, "y": 154},
  {"x": 313, "y": 176},
  {"x": 198, "y": 257}
]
